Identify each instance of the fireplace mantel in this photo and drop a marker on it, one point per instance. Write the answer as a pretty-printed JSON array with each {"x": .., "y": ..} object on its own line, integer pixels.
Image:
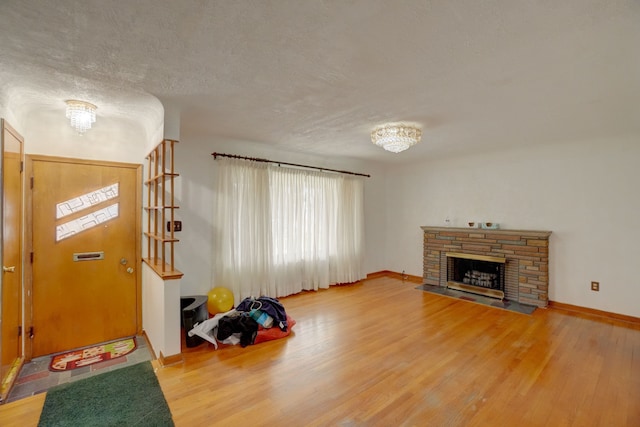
[
  {"x": 536, "y": 233},
  {"x": 526, "y": 253}
]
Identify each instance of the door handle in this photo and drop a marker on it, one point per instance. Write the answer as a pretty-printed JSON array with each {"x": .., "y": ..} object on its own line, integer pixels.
[
  {"x": 123, "y": 261},
  {"x": 11, "y": 269},
  {"x": 130, "y": 270}
]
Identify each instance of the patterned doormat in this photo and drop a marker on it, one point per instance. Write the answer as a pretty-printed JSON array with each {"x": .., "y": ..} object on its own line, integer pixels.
[
  {"x": 504, "y": 304},
  {"x": 90, "y": 355}
]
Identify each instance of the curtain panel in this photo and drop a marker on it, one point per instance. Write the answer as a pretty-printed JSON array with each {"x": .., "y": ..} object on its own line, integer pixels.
[{"x": 278, "y": 231}]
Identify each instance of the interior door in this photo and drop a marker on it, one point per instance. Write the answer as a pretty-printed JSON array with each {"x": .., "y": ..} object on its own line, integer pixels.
[
  {"x": 86, "y": 233},
  {"x": 11, "y": 283}
]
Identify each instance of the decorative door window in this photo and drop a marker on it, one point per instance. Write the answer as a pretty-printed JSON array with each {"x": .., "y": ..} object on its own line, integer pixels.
[{"x": 86, "y": 202}]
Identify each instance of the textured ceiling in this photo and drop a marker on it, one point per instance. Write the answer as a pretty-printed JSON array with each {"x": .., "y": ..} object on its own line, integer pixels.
[{"x": 317, "y": 76}]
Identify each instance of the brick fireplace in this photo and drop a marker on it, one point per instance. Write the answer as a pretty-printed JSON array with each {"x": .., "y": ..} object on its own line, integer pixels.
[{"x": 525, "y": 254}]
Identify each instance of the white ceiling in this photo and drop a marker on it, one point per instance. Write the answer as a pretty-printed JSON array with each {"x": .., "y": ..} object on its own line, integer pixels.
[{"x": 317, "y": 76}]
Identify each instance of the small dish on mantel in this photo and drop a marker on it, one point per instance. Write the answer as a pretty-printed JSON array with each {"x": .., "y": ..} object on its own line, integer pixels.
[
  {"x": 473, "y": 224},
  {"x": 490, "y": 225}
]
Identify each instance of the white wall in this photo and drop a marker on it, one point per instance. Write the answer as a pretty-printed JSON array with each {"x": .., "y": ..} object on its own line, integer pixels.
[
  {"x": 119, "y": 140},
  {"x": 7, "y": 114},
  {"x": 586, "y": 193},
  {"x": 195, "y": 191},
  {"x": 161, "y": 312}
]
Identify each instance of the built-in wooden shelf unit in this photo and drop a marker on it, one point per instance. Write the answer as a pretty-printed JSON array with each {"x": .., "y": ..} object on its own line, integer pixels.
[{"x": 160, "y": 210}]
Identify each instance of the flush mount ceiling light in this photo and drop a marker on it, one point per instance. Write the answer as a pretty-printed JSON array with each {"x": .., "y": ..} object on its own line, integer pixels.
[
  {"x": 396, "y": 137},
  {"x": 81, "y": 114}
]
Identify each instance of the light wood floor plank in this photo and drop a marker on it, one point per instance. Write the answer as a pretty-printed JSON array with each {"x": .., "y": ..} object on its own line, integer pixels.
[
  {"x": 23, "y": 412},
  {"x": 382, "y": 353}
]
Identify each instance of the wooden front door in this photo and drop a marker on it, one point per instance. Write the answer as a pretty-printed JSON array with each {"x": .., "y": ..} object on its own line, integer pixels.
[
  {"x": 86, "y": 246},
  {"x": 11, "y": 284}
]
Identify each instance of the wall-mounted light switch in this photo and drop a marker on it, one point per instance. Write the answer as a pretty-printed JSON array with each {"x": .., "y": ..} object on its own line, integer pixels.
[{"x": 177, "y": 226}]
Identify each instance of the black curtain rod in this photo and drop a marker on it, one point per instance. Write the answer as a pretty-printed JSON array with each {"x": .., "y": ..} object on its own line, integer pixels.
[{"x": 255, "y": 159}]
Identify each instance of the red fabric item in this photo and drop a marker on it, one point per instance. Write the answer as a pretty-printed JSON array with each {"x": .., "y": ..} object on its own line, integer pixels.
[{"x": 274, "y": 332}]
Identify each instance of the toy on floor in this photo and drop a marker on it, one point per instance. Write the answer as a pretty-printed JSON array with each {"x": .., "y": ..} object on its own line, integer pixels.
[{"x": 219, "y": 300}]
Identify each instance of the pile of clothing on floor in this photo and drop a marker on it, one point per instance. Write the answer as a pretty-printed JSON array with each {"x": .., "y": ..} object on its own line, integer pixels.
[{"x": 253, "y": 321}]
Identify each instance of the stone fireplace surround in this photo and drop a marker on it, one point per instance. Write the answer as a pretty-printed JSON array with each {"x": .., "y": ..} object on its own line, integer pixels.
[{"x": 526, "y": 253}]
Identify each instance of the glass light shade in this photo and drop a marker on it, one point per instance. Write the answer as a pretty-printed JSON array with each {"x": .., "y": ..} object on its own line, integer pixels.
[
  {"x": 396, "y": 137},
  {"x": 81, "y": 115}
]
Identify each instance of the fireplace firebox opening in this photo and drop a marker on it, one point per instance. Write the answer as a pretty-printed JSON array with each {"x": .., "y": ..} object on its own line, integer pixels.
[{"x": 478, "y": 274}]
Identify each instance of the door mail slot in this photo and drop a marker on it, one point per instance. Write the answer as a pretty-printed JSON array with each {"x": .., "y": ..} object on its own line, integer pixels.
[{"x": 88, "y": 256}]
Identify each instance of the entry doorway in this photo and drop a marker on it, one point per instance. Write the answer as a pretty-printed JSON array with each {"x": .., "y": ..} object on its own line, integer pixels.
[
  {"x": 11, "y": 254},
  {"x": 85, "y": 230}
]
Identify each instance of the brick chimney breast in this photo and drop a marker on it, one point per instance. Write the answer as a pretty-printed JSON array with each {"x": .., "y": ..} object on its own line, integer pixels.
[{"x": 526, "y": 253}]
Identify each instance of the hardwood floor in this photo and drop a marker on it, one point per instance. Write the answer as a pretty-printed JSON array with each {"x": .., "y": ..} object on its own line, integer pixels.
[{"x": 382, "y": 353}]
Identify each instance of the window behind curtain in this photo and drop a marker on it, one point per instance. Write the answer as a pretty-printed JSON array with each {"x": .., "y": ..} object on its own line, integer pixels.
[{"x": 281, "y": 230}]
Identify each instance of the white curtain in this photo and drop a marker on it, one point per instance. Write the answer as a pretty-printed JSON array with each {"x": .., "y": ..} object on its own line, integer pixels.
[{"x": 279, "y": 230}]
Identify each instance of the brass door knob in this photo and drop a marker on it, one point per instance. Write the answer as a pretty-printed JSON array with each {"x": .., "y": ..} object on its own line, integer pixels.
[{"x": 11, "y": 269}]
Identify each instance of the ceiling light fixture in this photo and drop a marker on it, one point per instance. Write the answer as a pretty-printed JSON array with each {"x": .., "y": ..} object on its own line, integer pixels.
[
  {"x": 81, "y": 114},
  {"x": 396, "y": 137}
]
